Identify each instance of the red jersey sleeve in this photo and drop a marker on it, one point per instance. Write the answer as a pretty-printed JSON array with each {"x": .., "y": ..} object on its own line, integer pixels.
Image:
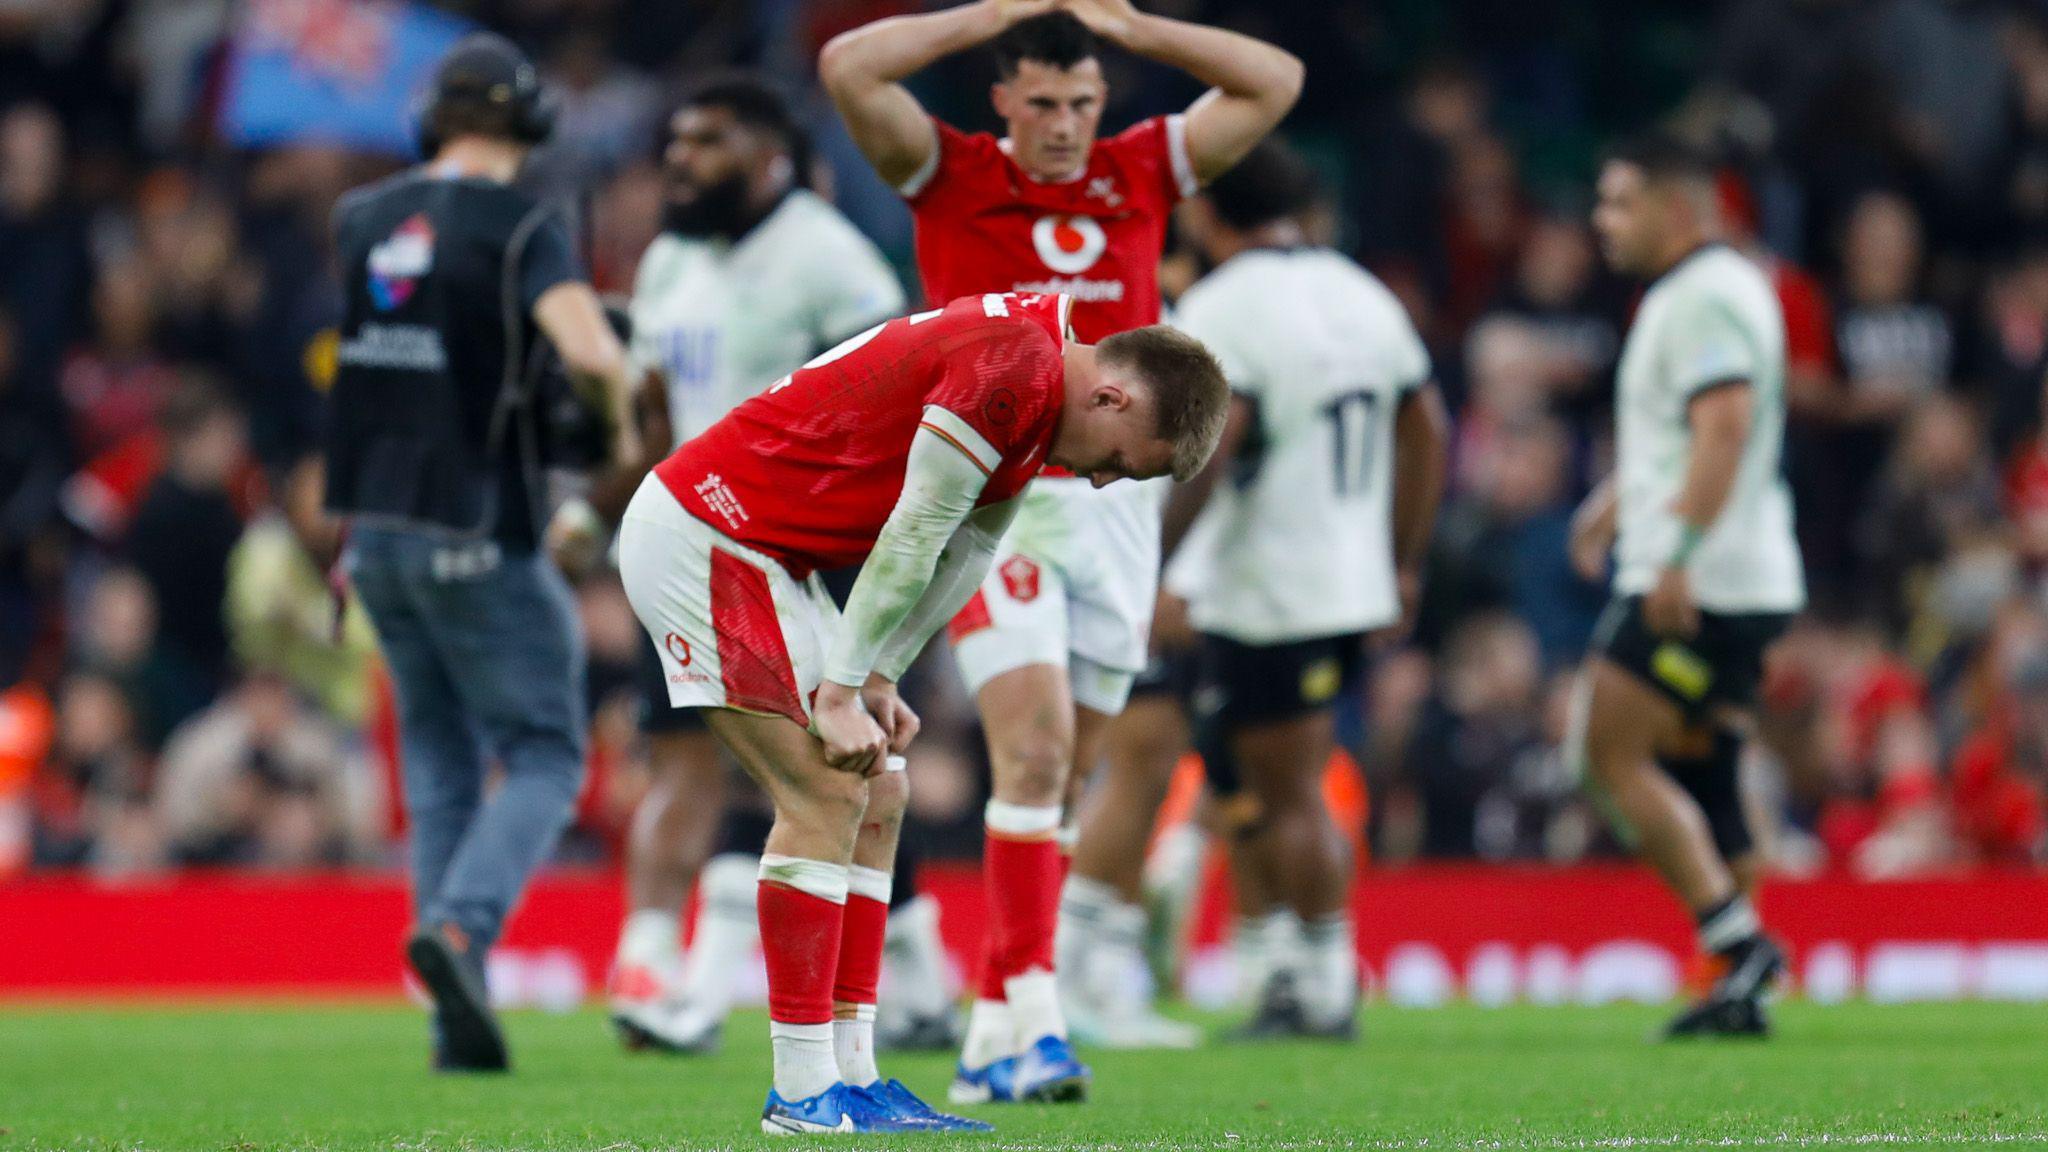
[
  {"x": 993, "y": 401},
  {"x": 954, "y": 154},
  {"x": 1156, "y": 153}
]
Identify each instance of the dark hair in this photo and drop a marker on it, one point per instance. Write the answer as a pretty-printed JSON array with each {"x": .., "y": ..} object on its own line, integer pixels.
[
  {"x": 1271, "y": 183},
  {"x": 759, "y": 105},
  {"x": 1663, "y": 157},
  {"x": 1190, "y": 396},
  {"x": 1055, "y": 38}
]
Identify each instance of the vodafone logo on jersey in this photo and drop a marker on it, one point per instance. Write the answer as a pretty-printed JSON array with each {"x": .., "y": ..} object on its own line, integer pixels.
[{"x": 1069, "y": 244}]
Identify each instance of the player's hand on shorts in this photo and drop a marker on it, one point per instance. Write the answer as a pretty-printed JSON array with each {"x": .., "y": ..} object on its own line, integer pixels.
[
  {"x": 887, "y": 708},
  {"x": 1668, "y": 609},
  {"x": 1110, "y": 19},
  {"x": 853, "y": 741}
]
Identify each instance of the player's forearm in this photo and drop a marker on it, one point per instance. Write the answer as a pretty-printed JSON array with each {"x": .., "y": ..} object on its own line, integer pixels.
[
  {"x": 961, "y": 567},
  {"x": 1239, "y": 66},
  {"x": 939, "y": 489},
  {"x": 1421, "y": 454},
  {"x": 892, "y": 50}
]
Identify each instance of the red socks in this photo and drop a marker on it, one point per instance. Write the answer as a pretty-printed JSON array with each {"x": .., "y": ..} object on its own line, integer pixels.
[
  {"x": 802, "y": 910},
  {"x": 1022, "y": 867}
]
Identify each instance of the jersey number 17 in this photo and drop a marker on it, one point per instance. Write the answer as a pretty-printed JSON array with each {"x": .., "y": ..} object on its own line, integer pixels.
[{"x": 1354, "y": 430}]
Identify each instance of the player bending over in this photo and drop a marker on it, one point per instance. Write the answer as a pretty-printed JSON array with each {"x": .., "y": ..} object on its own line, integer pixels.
[
  {"x": 905, "y": 447},
  {"x": 1326, "y": 488},
  {"x": 1051, "y": 645},
  {"x": 753, "y": 274},
  {"x": 1707, "y": 571}
]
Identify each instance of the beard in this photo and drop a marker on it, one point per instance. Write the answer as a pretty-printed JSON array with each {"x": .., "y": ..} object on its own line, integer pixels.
[{"x": 719, "y": 210}]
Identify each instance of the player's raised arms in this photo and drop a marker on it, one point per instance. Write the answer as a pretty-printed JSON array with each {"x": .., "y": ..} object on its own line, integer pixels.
[
  {"x": 864, "y": 69},
  {"x": 1252, "y": 83}
]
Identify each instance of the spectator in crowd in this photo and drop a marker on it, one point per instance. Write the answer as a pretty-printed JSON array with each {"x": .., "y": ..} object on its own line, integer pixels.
[
  {"x": 45, "y": 268},
  {"x": 259, "y": 779},
  {"x": 118, "y": 636},
  {"x": 33, "y": 463},
  {"x": 187, "y": 527},
  {"x": 1558, "y": 290},
  {"x": 1936, "y": 496},
  {"x": 281, "y": 610},
  {"x": 1483, "y": 718},
  {"x": 92, "y": 802}
]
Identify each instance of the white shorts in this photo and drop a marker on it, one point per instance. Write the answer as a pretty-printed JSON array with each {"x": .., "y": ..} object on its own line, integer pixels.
[
  {"x": 734, "y": 628},
  {"x": 1073, "y": 586}
]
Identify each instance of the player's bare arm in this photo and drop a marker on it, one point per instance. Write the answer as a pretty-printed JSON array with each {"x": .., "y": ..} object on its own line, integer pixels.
[
  {"x": 1252, "y": 83},
  {"x": 1720, "y": 421},
  {"x": 1422, "y": 434},
  {"x": 1592, "y": 534},
  {"x": 895, "y": 605},
  {"x": 864, "y": 70},
  {"x": 574, "y": 321},
  {"x": 1189, "y": 498}
]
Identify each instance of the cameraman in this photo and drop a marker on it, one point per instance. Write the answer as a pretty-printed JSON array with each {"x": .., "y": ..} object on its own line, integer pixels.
[{"x": 435, "y": 456}]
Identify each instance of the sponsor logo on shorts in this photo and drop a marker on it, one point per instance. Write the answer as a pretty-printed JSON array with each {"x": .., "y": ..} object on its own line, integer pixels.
[
  {"x": 688, "y": 678},
  {"x": 1682, "y": 670},
  {"x": 678, "y": 649},
  {"x": 1320, "y": 680},
  {"x": 1020, "y": 578}
]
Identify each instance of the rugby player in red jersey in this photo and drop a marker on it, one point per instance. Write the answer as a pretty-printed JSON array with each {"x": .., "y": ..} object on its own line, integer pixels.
[
  {"x": 906, "y": 448},
  {"x": 1051, "y": 645}
]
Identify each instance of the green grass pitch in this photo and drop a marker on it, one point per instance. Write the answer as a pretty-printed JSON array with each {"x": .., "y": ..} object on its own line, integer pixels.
[{"x": 243, "y": 1079}]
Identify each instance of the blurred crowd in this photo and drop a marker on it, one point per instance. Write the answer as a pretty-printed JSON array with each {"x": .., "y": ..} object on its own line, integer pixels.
[{"x": 181, "y": 690}]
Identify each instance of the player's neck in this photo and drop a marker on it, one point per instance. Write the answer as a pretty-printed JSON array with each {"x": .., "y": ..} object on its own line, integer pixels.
[
  {"x": 476, "y": 158},
  {"x": 1079, "y": 379},
  {"x": 1679, "y": 247}
]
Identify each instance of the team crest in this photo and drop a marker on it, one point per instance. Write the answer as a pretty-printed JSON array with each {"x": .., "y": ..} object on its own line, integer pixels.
[
  {"x": 1069, "y": 244},
  {"x": 1020, "y": 578},
  {"x": 397, "y": 265}
]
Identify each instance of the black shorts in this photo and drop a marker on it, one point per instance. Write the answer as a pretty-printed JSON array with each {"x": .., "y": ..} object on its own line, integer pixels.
[
  {"x": 1169, "y": 674},
  {"x": 657, "y": 717},
  {"x": 1721, "y": 666},
  {"x": 1239, "y": 684}
]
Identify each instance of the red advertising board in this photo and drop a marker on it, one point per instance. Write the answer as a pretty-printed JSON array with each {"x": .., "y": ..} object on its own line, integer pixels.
[{"x": 1425, "y": 934}]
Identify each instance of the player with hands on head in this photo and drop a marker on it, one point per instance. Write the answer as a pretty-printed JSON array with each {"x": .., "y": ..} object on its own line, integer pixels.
[{"x": 1052, "y": 643}]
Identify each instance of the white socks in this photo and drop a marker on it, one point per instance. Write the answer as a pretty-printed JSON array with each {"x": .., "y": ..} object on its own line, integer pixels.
[
  {"x": 1035, "y": 1008},
  {"x": 651, "y": 938},
  {"x": 853, "y": 1043},
  {"x": 991, "y": 1034},
  {"x": 1329, "y": 973},
  {"x": 727, "y": 928},
  {"x": 1085, "y": 906},
  {"x": 805, "y": 1061}
]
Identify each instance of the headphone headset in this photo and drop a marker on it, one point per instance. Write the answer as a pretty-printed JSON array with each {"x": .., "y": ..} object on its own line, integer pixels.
[{"x": 485, "y": 70}]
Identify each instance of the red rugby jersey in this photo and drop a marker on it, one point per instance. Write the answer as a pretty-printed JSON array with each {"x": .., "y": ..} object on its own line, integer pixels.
[
  {"x": 809, "y": 470},
  {"x": 985, "y": 226}
]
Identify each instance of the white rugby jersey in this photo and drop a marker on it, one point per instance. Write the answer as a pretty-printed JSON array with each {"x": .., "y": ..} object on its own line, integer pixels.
[
  {"x": 721, "y": 321},
  {"x": 1303, "y": 543},
  {"x": 1711, "y": 319}
]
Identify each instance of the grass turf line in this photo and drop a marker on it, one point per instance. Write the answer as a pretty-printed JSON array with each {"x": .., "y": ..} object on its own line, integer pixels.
[{"x": 250, "y": 1079}]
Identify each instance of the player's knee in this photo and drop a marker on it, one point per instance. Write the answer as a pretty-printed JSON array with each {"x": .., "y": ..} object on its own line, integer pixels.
[
  {"x": 1031, "y": 768},
  {"x": 888, "y": 797},
  {"x": 828, "y": 803}
]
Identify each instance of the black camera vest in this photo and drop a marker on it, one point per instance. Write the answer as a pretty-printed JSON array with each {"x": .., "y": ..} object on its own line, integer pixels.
[{"x": 433, "y": 422}]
